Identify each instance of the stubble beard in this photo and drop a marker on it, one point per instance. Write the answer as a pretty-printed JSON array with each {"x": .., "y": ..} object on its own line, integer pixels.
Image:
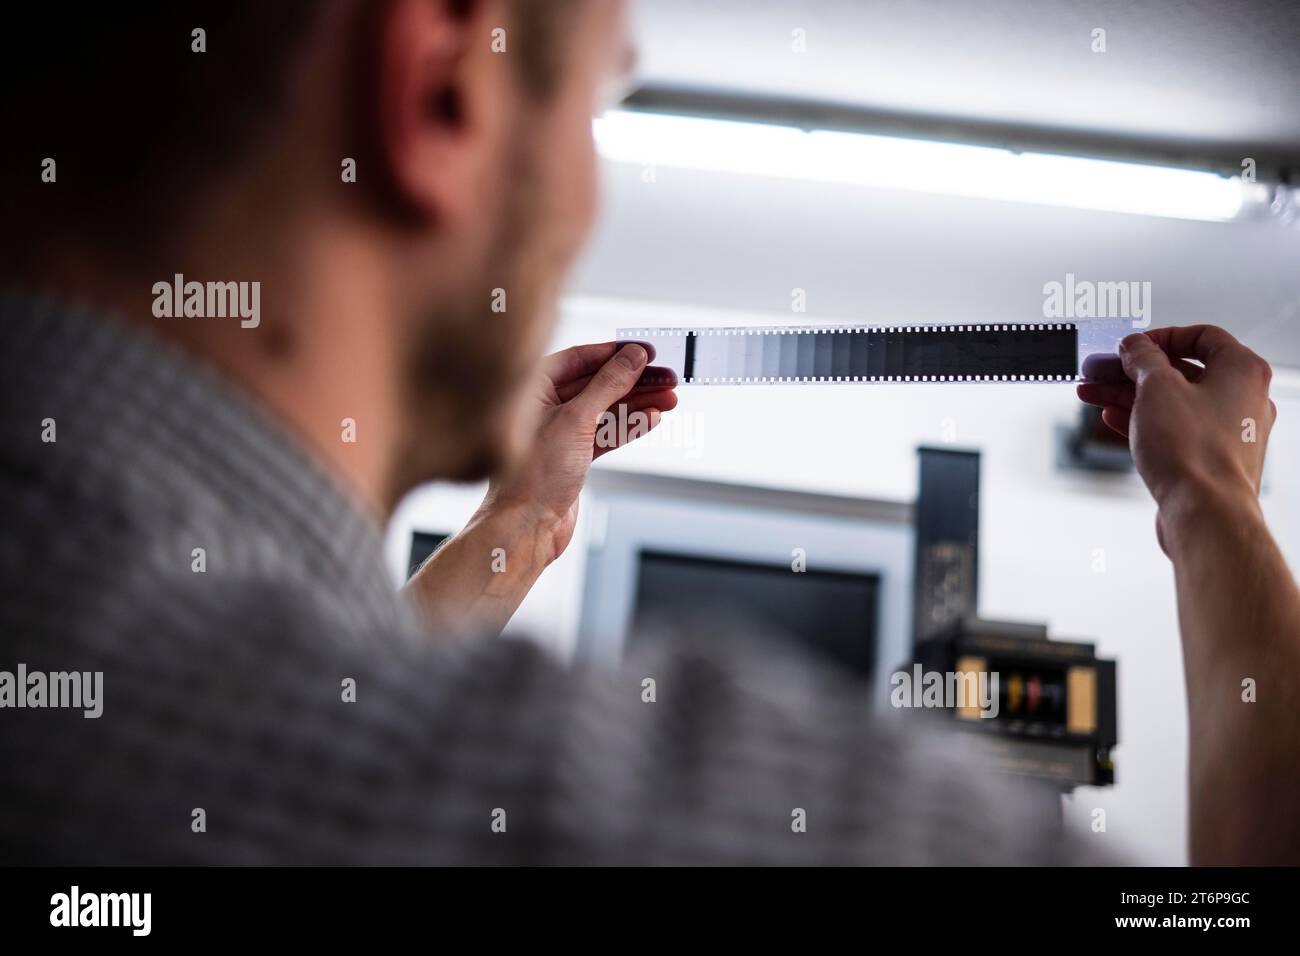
[{"x": 472, "y": 368}]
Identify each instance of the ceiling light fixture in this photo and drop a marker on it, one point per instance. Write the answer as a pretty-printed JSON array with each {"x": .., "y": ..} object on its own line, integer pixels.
[{"x": 888, "y": 162}]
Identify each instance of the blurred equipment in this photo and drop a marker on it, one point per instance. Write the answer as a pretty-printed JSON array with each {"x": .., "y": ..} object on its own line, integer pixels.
[
  {"x": 947, "y": 540},
  {"x": 1092, "y": 445},
  {"x": 1055, "y": 717},
  {"x": 713, "y": 561},
  {"x": 830, "y": 613}
]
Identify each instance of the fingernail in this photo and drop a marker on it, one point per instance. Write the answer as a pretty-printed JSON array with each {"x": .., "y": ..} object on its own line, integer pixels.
[{"x": 631, "y": 356}]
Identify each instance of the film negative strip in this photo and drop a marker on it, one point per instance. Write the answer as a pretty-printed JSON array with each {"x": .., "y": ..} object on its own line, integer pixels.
[{"x": 1037, "y": 352}]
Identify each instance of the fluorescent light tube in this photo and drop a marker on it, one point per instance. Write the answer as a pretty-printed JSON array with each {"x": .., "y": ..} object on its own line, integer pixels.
[{"x": 887, "y": 162}]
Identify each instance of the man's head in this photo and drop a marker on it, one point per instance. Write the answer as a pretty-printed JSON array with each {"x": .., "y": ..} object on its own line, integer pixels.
[{"x": 409, "y": 180}]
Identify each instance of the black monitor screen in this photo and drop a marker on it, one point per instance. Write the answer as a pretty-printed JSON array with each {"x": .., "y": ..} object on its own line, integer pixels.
[{"x": 832, "y": 613}]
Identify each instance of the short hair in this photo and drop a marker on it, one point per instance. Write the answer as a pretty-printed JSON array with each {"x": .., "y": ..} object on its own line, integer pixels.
[{"x": 116, "y": 94}]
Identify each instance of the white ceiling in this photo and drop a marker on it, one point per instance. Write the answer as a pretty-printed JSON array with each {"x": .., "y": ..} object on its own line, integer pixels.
[
  {"x": 1224, "y": 72},
  {"x": 1203, "y": 70}
]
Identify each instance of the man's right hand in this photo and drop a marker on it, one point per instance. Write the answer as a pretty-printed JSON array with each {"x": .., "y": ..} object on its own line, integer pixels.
[{"x": 1198, "y": 431}]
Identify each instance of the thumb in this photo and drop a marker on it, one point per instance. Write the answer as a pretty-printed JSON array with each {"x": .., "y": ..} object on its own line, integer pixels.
[
  {"x": 1142, "y": 358},
  {"x": 614, "y": 380}
]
